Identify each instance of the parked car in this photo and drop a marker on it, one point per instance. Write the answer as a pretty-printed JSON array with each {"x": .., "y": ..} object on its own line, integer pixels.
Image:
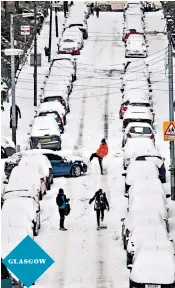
[
  {"x": 78, "y": 23},
  {"x": 139, "y": 170},
  {"x": 29, "y": 206},
  {"x": 46, "y": 132},
  {"x": 7, "y": 148},
  {"x": 64, "y": 65},
  {"x": 138, "y": 130},
  {"x": 136, "y": 218},
  {"x": 135, "y": 147},
  {"x": 72, "y": 166},
  {"x": 136, "y": 37},
  {"x": 141, "y": 234},
  {"x": 69, "y": 46},
  {"x": 60, "y": 96},
  {"x": 154, "y": 268},
  {"x": 138, "y": 114},
  {"x": 159, "y": 162},
  {"x": 135, "y": 49},
  {"x": 69, "y": 59},
  {"x": 142, "y": 202},
  {"x": 75, "y": 33}
]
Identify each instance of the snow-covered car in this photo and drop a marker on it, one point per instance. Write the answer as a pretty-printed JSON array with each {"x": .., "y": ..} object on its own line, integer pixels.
[
  {"x": 65, "y": 166},
  {"x": 137, "y": 218},
  {"x": 66, "y": 65},
  {"x": 141, "y": 234},
  {"x": 142, "y": 202},
  {"x": 7, "y": 147},
  {"x": 60, "y": 96},
  {"x": 153, "y": 268},
  {"x": 135, "y": 49},
  {"x": 134, "y": 67},
  {"x": 45, "y": 133},
  {"x": 136, "y": 37},
  {"x": 69, "y": 46},
  {"x": 139, "y": 170},
  {"x": 135, "y": 147},
  {"x": 56, "y": 108},
  {"x": 137, "y": 114},
  {"x": 78, "y": 23},
  {"x": 29, "y": 206},
  {"x": 138, "y": 130},
  {"x": 75, "y": 33},
  {"x": 158, "y": 160},
  {"x": 12, "y": 236},
  {"x": 69, "y": 60},
  {"x": 149, "y": 186},
  {"x": 43, "y": 165}
]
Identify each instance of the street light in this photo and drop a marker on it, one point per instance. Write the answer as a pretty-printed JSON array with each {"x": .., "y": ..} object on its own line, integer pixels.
[{"x": 13, "y": 52}]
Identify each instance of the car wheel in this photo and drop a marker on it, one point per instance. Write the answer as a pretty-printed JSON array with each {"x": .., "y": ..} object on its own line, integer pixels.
[
  {"x": 123, "y": 144},
  {"x": 128, "y": 259},
  {"x": 124, "y": 243},
  {"x": 75, "y": 77},
  {"x": 130, "y": 285},
  {"x": 40, "y": 196},
  {"x": 163, "y": 180},
  {"x": 76, "y": 171},
  {"x": 64, "y": 120},
  {"x": 35, "y": 229}
]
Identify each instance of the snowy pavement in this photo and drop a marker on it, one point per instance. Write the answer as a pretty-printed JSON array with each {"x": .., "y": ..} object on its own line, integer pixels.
[{"x": 83, "y": 256}]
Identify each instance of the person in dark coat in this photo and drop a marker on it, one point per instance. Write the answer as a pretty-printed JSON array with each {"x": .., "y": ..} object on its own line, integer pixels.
[
  {"x": 62, "y": 201},
  {"x": 100, "y": 154},
  {"x": 92, "y": 8},
  {"x": 101, "y": 203},
  {"x": 18, "y": 113},
  {"x": 97, "y": 9}
]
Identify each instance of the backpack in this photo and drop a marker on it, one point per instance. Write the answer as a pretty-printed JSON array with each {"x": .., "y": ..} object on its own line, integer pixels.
[
  {"x": 67, "y": 209},
  {"x": 100, "y": 203},
  {"x": 59, "y": 201}
]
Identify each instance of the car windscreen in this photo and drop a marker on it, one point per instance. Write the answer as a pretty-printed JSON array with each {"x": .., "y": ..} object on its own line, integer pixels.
[
  {"x": 140, "y": 104},
  {"x": 53, "y": 98},
  {"x": 68, "y": 40},
  {"x": 140, "y": 120},
  {"x": 73, "y": 25},
  {"x": 142, "y": 158},
  {"x": 140, "y": 130},
  {"x": 57, "y": 116}
]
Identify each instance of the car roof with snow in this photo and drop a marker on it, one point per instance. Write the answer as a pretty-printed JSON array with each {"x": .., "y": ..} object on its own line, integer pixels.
[
  {"x": 155, "y": 267},
  {"x": 148, "y": 217},
  {"x": 62, "y": 93},
  {"x": 51, "y": 106},
  {"x": 11, "y": 218},
  {"x": 140, "y": 144},
  {"x": 72, "y": 20},
  {"x": 135, "y": 97},
  {"x": 5, "y": 142},
  {"x": 148, "y": 232},
  {"x": 137, "y": 124},
  {"x": 135, "y": 44},
  {"x": 143, "y": 203},
  {"x": 142, "y": 170},
  {"x": 151, "y": 185},
  {"x": 43, "y": 126},
  {"x": 22, "y": 203},
  {"x": 64, "y": 57}
]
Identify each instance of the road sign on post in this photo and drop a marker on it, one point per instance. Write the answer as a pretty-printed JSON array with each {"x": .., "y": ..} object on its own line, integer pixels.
[
  {"x": 169, "y": 130},
  {"x": 25, "y": 30}
]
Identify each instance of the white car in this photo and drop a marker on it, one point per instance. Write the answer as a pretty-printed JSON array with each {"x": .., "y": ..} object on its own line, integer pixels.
[
  {"x": 60, "y": 96},
  {"x": 142, "y": 234},
  {"x": 7, "y": 147},
  {"x": 135, "y": 147},
  {"x": 140, "y": 170},
  {"x": 69, "y": 46},
  {"x": 78, "y": 23},
  {"x": 153, "y": 268},
  {"x": 137, "y": 218},
  {"x": 51, "y": 107},
  {"x": 149, "y": 186},
  {"x": 70, "y": 60},
  {"x": 137, "y": 114},
  {"x": 65, "y": 65},
  {"x": 75, "y": 33},
  {"x": 12, "y": 236},
  {"x": 135, "y": 37},
  {"x": 46, "y": 133},
  {"x": 29, "y": 206},
  {"x": 135, "y": 49},
  {"x": 142, "y": 202},
  {"x": 42, "y": 163},
  {"x": 138, "y": 130}
]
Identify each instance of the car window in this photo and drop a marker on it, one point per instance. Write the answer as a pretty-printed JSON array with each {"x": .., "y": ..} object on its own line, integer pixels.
[
  {"x": 53, "y": 157},
  {"x": 140, "y": 130}
]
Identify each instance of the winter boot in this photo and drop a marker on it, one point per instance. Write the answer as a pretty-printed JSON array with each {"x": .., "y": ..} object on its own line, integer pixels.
[{"x": 98, "y": 227}]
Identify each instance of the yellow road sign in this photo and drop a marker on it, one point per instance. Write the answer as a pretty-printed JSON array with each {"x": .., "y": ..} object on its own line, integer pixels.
[{"x": 169, "y": 130}]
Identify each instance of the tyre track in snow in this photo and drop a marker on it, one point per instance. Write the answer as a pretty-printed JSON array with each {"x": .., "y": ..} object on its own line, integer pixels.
[{"x": 103, "y": 279}]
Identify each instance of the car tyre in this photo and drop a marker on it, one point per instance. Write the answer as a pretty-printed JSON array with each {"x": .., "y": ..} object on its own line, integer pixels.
[
  {"x": 35, "y": 229},
  {"x": 124, "y": 243},
  {"x": 40, "y": 196},
  {"x": 76, "y": 171},
  {"x": 128, "y": 259},
  {"x": 64, "y": 120},
  {"x": 123, "y": 144}
]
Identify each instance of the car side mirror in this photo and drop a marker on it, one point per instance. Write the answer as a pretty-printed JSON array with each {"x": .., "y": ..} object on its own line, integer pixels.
[
  {"x": 155, "y": 132},
  {"x": 126, "y": 195},
  {"x": 41, "y": 101},
  {"x": 170, "y": 239},
  {"x": 37, "y": 211},
  {"x": 130, "y": 266},
  {"x": 5, "y": 182},
  {"x": 168, "y": 195},
  {"x": 122, "y": 219},
  {"x": 124, "y": 174}
]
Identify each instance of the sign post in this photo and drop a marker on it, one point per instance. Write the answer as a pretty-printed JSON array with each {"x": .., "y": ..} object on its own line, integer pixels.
[{"x": 25, "y": 30}]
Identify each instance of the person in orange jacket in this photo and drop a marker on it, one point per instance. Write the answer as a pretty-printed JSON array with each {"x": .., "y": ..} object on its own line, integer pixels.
[{"x": 100, "y": 153}]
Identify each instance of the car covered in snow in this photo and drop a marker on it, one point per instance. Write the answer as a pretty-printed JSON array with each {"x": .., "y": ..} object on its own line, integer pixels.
[
  {"x": 64, "y": 66},
  {"x": 78, "y": 23},
  {"x": 7, "y": 147},
  {"x": 139, "y": 170},
  {"x": 136, "y": 49},
  {"x": 141, "y": 234},
  {"x": 69, "y": 60},
  {"x": 65, "y": 166},
  {"x": 29, "y": 206},
  {"x": 138, "y": 130},
  {"x": 137, "y": 218},
  {"x": 153, "y": 268},
  {"x": 137, "y": 114},
  {"x": 142, "y": 202},
  {"x": 136, "y": 147},
  {"x": 60, "y": 96},
  {"x": 75, "y": 33},
  {"x": 69, "y": 46},
  {"x": 45, "y": 133}
]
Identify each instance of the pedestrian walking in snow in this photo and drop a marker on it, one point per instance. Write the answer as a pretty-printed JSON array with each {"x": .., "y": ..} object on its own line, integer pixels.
[
  {"x": 18, "y": 113},
  {"x": 63, "y": 206},
  {"x": 100, "y": 154},
  {"x": 101, "y": 204}
]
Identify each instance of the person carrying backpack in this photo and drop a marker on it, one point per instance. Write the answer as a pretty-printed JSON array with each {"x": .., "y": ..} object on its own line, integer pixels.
[
  {"x": 101, "y": 204},
  {"x": 63, "y": 206}
]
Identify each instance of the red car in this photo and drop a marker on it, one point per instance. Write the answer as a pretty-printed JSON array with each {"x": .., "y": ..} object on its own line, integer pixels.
[
  {"x": 123, "y": 108},
  {"x": 130, "y": 32}
]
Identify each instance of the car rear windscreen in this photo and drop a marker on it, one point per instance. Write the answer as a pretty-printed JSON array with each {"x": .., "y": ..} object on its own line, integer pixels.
[{"x": 140, "y": 130}]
